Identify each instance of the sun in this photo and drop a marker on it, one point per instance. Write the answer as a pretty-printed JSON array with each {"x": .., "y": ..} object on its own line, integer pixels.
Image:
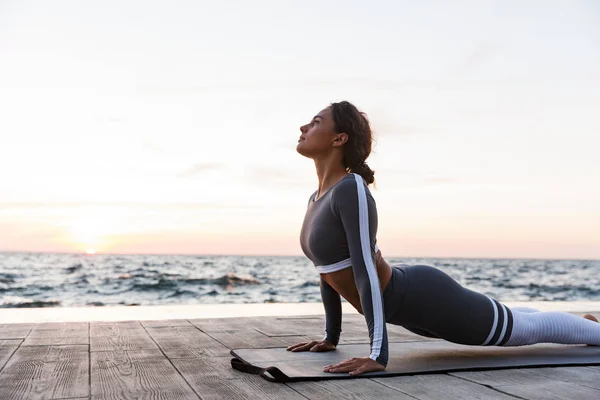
[{"x": 90, "y": 252}]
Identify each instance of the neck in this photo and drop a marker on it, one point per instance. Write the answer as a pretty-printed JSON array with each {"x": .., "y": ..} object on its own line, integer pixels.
[{"x": 329, "y": 172}]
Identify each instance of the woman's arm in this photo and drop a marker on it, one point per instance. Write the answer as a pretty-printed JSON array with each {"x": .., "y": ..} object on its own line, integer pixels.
[
  {"x": 333, "y": 312},
  {"x": 358, "y": 214}
]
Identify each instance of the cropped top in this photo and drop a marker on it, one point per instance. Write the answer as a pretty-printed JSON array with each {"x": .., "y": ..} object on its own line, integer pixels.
[{"x": 339, "y": 231}]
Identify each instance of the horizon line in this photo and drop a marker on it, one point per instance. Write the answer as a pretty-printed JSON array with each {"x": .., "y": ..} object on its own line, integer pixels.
[{"x": 287, "y": 255}]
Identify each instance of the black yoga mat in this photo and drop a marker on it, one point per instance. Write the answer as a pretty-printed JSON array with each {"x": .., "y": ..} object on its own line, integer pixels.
[{"x": 409, "y": 358}]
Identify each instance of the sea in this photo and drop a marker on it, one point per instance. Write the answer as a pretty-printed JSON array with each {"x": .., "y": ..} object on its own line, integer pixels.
[{"x": 60, "y": 280}]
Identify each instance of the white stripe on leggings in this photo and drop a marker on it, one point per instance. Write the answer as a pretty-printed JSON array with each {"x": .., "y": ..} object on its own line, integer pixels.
[
  {"x": 504, "y": 325},
  {"x": 493, "y": 330}
]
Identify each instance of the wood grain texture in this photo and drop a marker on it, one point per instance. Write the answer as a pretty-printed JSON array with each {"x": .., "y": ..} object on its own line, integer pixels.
[
  {"x": 129, "y": 328},
  {"x": 187, "y": 342},
  {"x": 552, "y": 390},
  {"x": 7, "y": 349},
  {"x": 56, "y": 334},
  {"x": 189, "y": 359},
  {"x": 15, "y": 331},
  {"x": 441, "y": 386},
  {"x": 46, "y": 372},
  {"x": 502, "y": 377},
  {"x": 164, "y": 323},
  {"x": 244, "y": 338},
  {"x": 196, "y": 370},
  {"x": 583, "y": 376},
  {"x": 115, "y": 343},
  {"x": 136, "y": 374},
  {"x": 242, "y": 387},
  {"x": 347, "y": 389}
]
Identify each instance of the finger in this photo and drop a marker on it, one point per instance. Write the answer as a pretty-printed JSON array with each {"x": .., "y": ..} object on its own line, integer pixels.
[
  {"x": 303, "y": 347},
  {"x": 345, "y": 362},
  {"x": 295, "y": 346},
  {"x": 318, "y": 347},
  {"x": 340, "y": 364},
  {"x": 345, "y": 366},
  {"x": 357, "y": 371}
]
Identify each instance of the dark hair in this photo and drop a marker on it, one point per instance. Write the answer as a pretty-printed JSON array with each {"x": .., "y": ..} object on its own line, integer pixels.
[{"x": 349, "y": 120}]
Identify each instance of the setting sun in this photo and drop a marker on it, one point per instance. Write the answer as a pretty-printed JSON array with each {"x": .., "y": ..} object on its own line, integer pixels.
[{"x": 90, "y": 251}]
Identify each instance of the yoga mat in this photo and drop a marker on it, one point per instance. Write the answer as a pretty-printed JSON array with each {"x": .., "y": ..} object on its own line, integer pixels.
[{"x": 409, "y": 358}]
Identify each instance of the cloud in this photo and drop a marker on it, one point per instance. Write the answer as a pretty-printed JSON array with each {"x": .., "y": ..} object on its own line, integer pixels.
[
  {"x": 279, "y": 177},
  {"x": 439, "y": 180},
  {"x": 480, "y": 53},
  {"x": 198, "y": 169},
  {"x": 180, "y": 206}
]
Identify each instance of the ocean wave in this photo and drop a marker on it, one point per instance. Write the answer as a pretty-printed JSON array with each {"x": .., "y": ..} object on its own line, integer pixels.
[
  {"x": 6, "y": 277},
  {"x": 182, "y": 293},
  {"x": 40, "y": 280},
  {"x": 73, "y": 268},
  {"x": 307, "y": 284},
  {"x": 161, "y": 284},
  {"x": 224, "y": 280},
  {"x": 21, "y": 302}
]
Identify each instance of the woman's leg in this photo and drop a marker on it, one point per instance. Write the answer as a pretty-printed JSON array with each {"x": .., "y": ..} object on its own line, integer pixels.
[
  {"x": 436, "y": 303},
  {"x": 552, "y": 327}
]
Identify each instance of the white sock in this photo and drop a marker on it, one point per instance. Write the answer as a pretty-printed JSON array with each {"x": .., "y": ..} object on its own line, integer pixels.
[{"x": 552, "y": 327}]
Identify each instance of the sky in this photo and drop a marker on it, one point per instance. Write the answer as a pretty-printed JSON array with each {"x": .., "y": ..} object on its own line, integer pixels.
[{"x": 171, "y": 126}]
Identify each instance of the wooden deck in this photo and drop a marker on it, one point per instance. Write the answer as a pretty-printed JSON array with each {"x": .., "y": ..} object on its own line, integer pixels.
[{"x": 189, "y": 359}]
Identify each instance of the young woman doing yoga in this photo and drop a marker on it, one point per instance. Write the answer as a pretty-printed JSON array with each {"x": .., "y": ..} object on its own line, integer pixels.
[{"x": 339, "y": 236}]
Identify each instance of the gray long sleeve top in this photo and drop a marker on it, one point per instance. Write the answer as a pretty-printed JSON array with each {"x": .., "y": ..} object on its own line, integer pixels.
[{"x": 339, "y": 231}]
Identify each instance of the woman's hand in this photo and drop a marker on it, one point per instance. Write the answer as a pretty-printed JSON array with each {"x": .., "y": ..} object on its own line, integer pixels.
[
  {"x": 315, "y": 345},
  {"x": 355, "y": 366}
]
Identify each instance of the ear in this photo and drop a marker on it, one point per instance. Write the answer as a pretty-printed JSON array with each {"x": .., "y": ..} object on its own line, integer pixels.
[{"x": 340, "y": 139}]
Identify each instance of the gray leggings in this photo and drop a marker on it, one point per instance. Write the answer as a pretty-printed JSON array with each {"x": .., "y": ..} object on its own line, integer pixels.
[{"x": 430, "y": 303}]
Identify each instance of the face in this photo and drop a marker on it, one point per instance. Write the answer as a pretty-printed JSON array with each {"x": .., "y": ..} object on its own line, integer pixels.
[{"x": 319, "y": 137}]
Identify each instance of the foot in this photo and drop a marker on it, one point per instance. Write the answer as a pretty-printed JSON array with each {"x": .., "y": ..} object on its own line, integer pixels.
[{"x": 590, "y": 317}]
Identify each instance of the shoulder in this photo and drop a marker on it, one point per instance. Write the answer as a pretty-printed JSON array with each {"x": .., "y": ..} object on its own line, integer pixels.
[
  {"x": 351, "y": 189},
  {"x": 352, "y": 183}
]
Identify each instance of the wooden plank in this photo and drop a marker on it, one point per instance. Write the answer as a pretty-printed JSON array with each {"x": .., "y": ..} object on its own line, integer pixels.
[
  {"x": 136, "y": 374},
  {"x": 117, "y": 336},
  {"x": 502, "y": 377},
  {"x": 246, "y": 388},
  {"x": 290, "y": 327},
  {"x": 291, "y": 340},
  {"x": 221, "y": 324},
  {"x": 187, "y": 342},
  {"x": 528, "y": 383},
  {"x": 57, "y": 341},
  {"x": 119, "y": 343},
  {"x": 552, "y": 390},
  {"x": 362, "y": 388},
  {"x": 57, "y": 334},
  {"x": 10, "y": 342},
  {"x": 7, "y": 349},
  {"x": 244, "y": 338},
  {"x": 46, "y": 372},
  {"x": 61, "y": 325},
  {"x": 134, "y": 328},
  {"x": 164, "y": 323},
  {"x": 215, "y": 369},
  {"x": 215, "y": 379},
  {"x": 583, "y": 376},
  {"x": 15, "y": 331},
  {"x": 441, "y": 386}
]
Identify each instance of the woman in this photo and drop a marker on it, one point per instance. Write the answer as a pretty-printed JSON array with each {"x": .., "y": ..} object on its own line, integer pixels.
[{"x": 339, "y": 236}]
